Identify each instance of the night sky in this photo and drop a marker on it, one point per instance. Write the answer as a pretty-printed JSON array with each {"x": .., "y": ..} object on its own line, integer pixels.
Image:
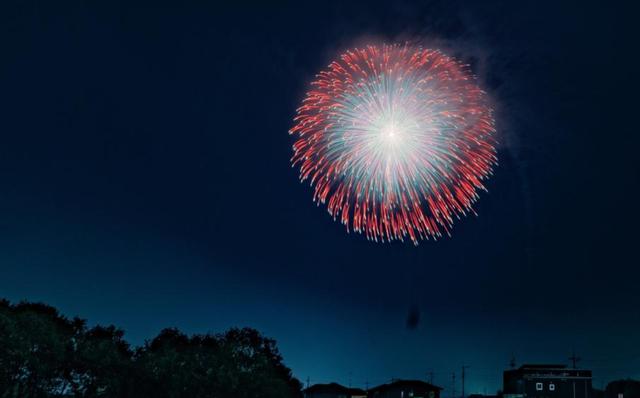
[{"x": 145, "y": 181}]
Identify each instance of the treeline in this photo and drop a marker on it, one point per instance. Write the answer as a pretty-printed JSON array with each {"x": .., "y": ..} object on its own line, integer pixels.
[
  {"x": 629, "y": 388},
  {"x": 44, "y": 354}
]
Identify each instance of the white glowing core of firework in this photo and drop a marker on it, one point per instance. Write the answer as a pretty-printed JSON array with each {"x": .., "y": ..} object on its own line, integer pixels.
[
  {"x": 386, "y": 138},
  {"x": 385, "y": 133},
  {"x": 391, "y": 134},
  {"x": 392, "y": 138}
]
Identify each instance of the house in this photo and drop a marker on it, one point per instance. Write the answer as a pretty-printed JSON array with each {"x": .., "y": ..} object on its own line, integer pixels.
[
  {"x": 547, "y": 381},
  {"x": 405, "y": 389},
  {"x": 333, "y": 390}
]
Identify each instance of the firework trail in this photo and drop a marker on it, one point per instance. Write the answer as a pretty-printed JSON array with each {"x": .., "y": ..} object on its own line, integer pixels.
[{"x": 396, "y": 141}]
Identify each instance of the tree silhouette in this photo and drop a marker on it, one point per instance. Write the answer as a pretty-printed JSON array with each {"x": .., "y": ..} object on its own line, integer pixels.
[
  {"x": 628, "y": 388},
  {"x": 44, "y": 354},
  {"x": 37, "y": 346},
  {"x": 240, "y": 363},
  {"x": 102, "y": 365}
]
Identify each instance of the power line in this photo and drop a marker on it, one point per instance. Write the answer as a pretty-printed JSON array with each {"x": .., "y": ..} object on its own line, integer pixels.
[{"x": 617, "y": 358}]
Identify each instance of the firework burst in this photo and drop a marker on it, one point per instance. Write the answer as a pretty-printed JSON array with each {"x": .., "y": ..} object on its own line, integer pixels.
[{"x": 396, "y": 141}]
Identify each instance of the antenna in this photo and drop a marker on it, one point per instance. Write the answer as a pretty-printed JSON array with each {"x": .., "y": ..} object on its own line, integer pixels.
[
  {"x": 512, "y": 362},
  {"x": 574, "y": 359}
]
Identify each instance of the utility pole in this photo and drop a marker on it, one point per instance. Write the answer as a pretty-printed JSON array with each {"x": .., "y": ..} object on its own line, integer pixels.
[
  {"x": 453, "y": 385},
  {"x": 308, "y": 381},
  {"x": 463, "y": 369},
  {"x": 430, "y": 373},
  {"x": 366, "y": 385},
  {"x": 349, "y": 379},
  {"x": 574, "y": 359},
  {"x": 512, "y": 362}
]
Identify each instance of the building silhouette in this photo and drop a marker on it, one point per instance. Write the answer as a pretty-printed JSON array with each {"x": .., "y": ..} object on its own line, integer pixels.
[
  {"x": 405, "y": 389},
  {"x": 547, "y": 381},
  {"x": 333, "y": 390}
]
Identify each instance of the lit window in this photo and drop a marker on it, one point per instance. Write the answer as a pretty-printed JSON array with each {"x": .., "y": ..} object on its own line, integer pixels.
[
  {"x": 539, "y": 387},
  {"x": 552, "y": 387}
]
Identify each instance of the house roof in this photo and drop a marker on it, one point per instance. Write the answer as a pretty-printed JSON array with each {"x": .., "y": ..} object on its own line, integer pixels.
[
  {"x": 543, "y": 366},
  {"x": 334, "y": 388},
  {"x": 406, "y": 384}
]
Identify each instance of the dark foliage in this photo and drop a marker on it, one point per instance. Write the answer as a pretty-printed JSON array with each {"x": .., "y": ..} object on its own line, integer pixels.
[
  {"x": 44, "y": 354},
  {"x": 628, "y": 388}
]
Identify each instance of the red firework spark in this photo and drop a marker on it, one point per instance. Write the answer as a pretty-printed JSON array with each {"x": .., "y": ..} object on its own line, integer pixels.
[{"x": 396, "y": 140}]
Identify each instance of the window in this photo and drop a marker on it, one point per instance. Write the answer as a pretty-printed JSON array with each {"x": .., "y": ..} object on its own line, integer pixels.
[
  {"x": 552, "y": 387},
  {"x": 539, "y": 386}
]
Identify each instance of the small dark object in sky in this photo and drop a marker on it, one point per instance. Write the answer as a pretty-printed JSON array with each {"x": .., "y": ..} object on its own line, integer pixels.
[{"x": 413, "y": 317}]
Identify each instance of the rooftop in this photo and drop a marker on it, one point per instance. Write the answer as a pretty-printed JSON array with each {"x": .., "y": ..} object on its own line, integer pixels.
[
  {"x": 543, "y": 366},
  {"x": 406, "y": 384},
  {"x": 334, "y": 388}
]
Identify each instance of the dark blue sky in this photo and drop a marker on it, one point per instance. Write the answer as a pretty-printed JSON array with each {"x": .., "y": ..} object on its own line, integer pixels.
[{"x": 145, "y": 181}]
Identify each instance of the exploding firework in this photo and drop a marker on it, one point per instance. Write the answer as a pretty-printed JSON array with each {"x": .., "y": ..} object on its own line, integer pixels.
[{"x": 396, "y": 141}]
